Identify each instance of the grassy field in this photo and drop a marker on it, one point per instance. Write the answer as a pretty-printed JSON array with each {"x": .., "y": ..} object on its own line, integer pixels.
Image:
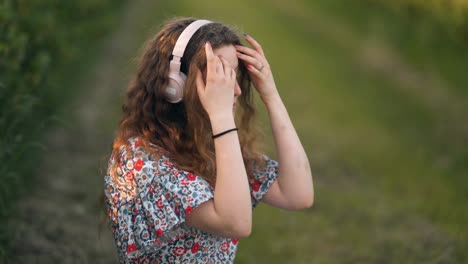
[
  {"x": 385, "y": 134},
  {"x": 382, "y": 135}
]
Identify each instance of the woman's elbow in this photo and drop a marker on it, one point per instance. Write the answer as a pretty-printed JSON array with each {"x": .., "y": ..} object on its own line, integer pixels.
[
  {"x": 309, "y": 202},
  {"x": 238, "y": 230},
  {"x": 244, "y": 232},
  {"x": 240, "y": 227},
  {"x": 304, "y": 203}
]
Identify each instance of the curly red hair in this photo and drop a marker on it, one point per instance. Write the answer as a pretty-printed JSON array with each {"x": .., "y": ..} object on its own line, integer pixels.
[{"x": 183, "y": 130}]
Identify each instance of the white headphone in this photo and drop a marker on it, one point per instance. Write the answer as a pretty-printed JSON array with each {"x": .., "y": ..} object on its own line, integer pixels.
[{"x": 174, "y": 91}]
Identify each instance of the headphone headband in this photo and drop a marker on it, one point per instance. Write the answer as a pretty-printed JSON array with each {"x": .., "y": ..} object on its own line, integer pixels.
[{"x": 185, "y": 36}]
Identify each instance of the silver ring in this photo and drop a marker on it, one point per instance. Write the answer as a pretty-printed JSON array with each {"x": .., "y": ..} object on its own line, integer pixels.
[{"x": 261, "y": 68}]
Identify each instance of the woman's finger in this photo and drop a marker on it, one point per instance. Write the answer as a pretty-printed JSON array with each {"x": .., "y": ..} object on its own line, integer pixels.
[
  {"x": 248, "y": 51},
  {"x": 219, "y": 66},
  {"x": 254, "y": 44},
  {"x": 227, "y": 68},
  {"x": 210, "y": 59},
  {"x": 253, "y": 70},
  {"x": 200, "y": 83},
  {"x": 250, "y": 60}
]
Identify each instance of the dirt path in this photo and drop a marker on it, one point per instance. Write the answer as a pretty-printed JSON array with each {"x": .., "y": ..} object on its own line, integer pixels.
[{"x": 58, "y": 221}]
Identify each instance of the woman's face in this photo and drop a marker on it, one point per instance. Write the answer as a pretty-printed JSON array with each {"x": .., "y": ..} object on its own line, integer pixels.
[{"x": 228, "y": 52}]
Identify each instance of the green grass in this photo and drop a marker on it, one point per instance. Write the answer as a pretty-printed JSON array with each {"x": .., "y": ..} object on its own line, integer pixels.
[
  {"x": 384, "y": 136},
  {"x": 384, "y": 150}
]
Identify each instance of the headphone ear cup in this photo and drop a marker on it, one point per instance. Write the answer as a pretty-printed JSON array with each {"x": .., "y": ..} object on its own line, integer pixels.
[
  {"x": 174, "y": 91},
  {"x": 175, "y": 88},
  {"x": 183, "y": 77}
]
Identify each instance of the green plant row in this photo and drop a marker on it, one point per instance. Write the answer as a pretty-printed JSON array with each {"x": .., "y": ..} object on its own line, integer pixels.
[
  {"x": 41, "y": 42},
  {"x": 436, "y": 20},
  {"x": 445, "y": 16},
  {"x": 454, "y": 12},
  {"x": 423, "y": 35}
]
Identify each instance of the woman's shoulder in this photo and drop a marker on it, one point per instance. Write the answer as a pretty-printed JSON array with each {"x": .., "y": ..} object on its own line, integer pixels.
[
  {"x": 140, "y": 147},
  {"x": 146, "y": 163},
  {"x": 137, "y": 158},
  {"x": 139, "y": 143}
]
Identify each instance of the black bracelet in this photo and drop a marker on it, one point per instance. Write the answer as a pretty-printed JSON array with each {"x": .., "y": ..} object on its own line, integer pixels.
[{"x": 225, "y": 132}]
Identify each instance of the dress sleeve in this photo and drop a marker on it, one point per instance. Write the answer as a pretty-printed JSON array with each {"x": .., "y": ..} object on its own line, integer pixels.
[
  {"x": 263, "y": 179},
  {"x": 164, "y": 196}
]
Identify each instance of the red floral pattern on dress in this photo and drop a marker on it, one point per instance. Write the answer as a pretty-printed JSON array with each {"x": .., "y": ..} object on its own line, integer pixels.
[
  {"x": 159, "y": 232},
  {"x": 131, "y": 248},
  {"x": 225, "y": 246},
  {"x": 179, "y": 251},
  {"x": 256, "y": 185},
  {"x": 188, "y": 210},
  {"x": 138, "y": 143},
  {"x": 129, "y": 176},
  {"x": 148, "y": 201},
  {"x": 139, "y": 164},
  {"x": 191, "y": 176},
  {"x": 159, "y": 203},
  {"x": 195, "y": 248}
]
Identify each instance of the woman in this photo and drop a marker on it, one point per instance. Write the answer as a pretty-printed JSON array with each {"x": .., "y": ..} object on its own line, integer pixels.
[{"x": 183, "y": 178}]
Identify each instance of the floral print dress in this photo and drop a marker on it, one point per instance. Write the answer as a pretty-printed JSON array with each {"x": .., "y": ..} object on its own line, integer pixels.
[{"x": 149, "y": 200}]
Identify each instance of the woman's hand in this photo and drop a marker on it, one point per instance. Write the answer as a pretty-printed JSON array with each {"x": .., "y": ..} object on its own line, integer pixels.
[
  {"x": 217, "y": 95},
  {"x": 259, "y": 69}
]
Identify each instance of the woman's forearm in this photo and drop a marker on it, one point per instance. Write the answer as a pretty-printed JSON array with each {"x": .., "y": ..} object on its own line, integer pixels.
[
  {"x": 294, "y": 173},
  {"x": 232, "y": 195}
]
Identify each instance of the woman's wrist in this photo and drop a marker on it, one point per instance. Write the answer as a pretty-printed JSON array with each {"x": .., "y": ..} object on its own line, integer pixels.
[
  {"x": 224, "y": 132},
  {"x": 272, "y": 100},
  {"x": 221, "y": 122}
]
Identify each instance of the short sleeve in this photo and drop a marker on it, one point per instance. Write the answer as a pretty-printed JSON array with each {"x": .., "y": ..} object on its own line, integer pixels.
[
  {"x": 164, "y": 196},
  {"x": 263, "y": 179}
]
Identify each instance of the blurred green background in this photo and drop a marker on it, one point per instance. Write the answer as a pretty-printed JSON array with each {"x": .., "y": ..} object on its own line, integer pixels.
[{"x": 377, "y": 90}]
